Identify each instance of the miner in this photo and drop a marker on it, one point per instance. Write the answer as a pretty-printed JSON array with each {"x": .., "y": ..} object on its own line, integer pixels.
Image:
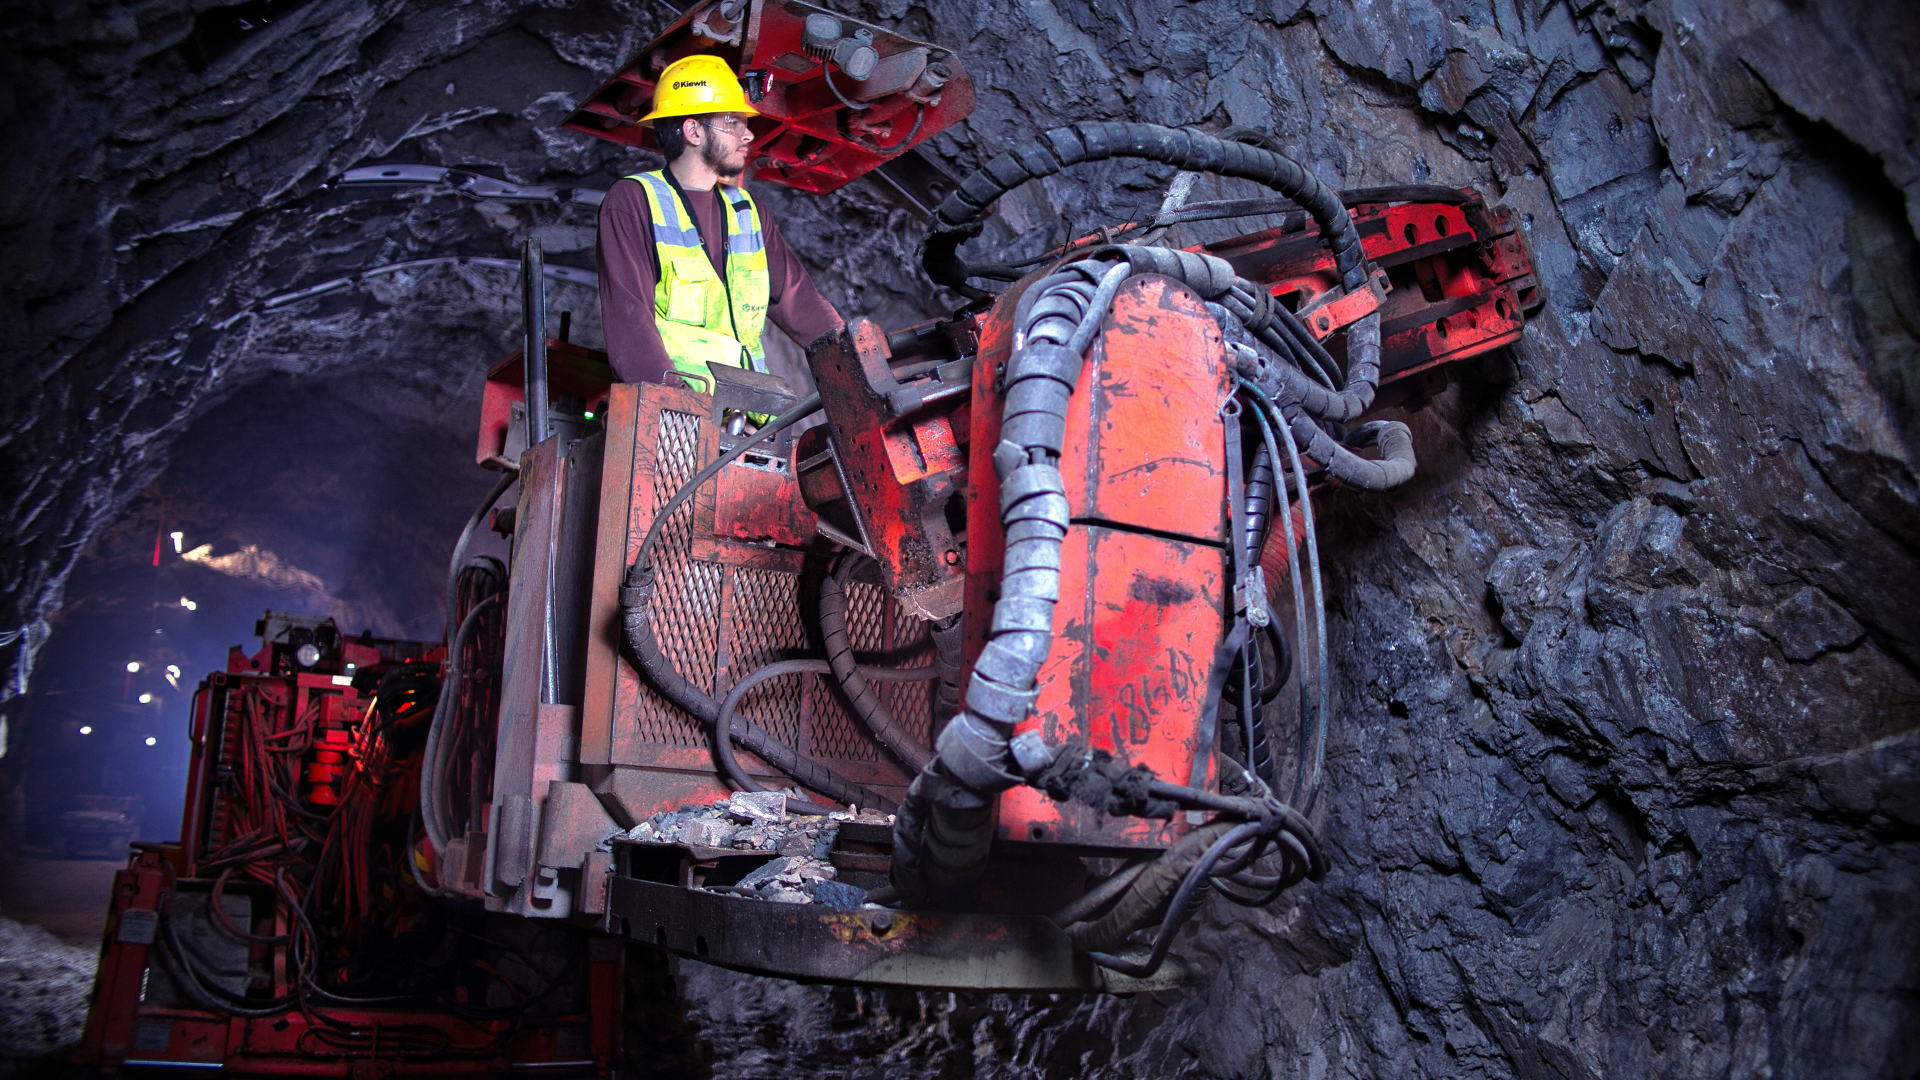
[{"x": 691, "y": 266}]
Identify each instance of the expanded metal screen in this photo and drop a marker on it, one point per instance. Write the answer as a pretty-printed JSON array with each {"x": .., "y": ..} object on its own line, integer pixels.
[{"x": 722, "y": 610}]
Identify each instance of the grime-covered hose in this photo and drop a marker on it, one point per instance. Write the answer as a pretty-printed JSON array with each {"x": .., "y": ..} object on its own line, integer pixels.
[
  {"x": 636, "y": 598},
  {"x": 942, "y": 834},
  {"x": 1285, "y": 387},
  {"x": 433, "y": 770},
  {"x": 959, "y": 216},
  {"x": 1137, "y": 906},
  {"x": 723, "y": 747},
  {"x": 865, "y": 700}
]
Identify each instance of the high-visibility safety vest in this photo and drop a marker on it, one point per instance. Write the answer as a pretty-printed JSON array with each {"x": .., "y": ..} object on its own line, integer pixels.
[{"x": 704, "y": 318}]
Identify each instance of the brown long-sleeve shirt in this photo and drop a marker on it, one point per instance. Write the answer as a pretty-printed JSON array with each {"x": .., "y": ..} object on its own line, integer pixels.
[{"x": 630, "y": 269}]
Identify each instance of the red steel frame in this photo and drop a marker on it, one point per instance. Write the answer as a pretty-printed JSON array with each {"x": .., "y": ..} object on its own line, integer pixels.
[
  {"x": 1145, "y": 472},
  {"x": 126, "y": 1031},
  {"x": 804, "y": 137}
]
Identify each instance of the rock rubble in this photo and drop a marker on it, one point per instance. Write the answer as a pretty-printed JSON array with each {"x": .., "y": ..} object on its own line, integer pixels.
[{"x": 757, "y": 822}]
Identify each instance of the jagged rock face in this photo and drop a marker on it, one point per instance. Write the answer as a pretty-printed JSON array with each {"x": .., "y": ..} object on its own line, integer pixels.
[
  {"x": 1622, "y": 774},
  {"x": 44, "y": 986}
]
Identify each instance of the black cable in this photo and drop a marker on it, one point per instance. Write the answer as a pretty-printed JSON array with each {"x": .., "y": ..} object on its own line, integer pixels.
[
  {"x": 430, "y": 802},
  {"x": 1098, "y": 897},
  {"x": 466, "y": 537},
  {"x": 1182, "y": 906},
  {"x": 867, "y": 706},
  {"x": 1282, "y": 662},
  {"x": 919, "y": 118},
  {"x": 960, "y": 214},
  {"x": 636, "y": 597},
  {"x": 723, "y": 721},
  {"x": 225, "y": 924}
]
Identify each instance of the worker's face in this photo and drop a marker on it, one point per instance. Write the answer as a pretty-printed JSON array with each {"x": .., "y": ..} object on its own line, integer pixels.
[{"x": 723, "y": 144}]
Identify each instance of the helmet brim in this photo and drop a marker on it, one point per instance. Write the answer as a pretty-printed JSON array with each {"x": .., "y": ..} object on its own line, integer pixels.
[{"x": 742, "y": 109}]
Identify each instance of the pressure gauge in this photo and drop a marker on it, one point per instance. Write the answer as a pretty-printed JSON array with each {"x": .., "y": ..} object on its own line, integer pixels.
[{"x": 307, "y": 655}]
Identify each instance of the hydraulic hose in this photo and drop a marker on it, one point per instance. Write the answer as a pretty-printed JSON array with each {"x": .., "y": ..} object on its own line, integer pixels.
[
  {"x": 723, "y": 748},
  {"x": 636, "y": 598},
  {"x": 1395, "y": 467},
  {"x": 1149, "y": 891},
  {"x": 1187, "y": 897},
  {"x": 1298, "y": 590},
  {"x": 466, "y": 537},
  {"x": 943, "y": 833},
  {"x": 959, "y": 217},
  {"x": 431, "y": 772},
  {"x": 948, "y": 642},
  {"x": 873, "y": 712},
  {"x": 1101, "y": 895},
  {"x": 1299, "y": 473},
  {"x": 944, "y": 829}
]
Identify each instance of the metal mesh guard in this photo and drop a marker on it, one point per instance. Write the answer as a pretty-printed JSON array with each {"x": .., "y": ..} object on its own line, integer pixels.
[{"x": 718, "y": 622}]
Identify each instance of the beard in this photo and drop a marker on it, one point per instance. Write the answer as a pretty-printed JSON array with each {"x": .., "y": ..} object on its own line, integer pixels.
[{"x": 727, "y": 164}]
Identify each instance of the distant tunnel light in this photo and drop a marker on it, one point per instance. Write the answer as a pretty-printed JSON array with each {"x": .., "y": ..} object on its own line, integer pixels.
[
  {"x": 133, "y": 667},
  {"x": 151, "y": 741},
  {"x": 146, "y": 699},
  {"x": 173, "y": 670},
  {"x": 86, "y": 729},
  {"x": 188, "y": 604},
  {"x": 177, "y": 538}
]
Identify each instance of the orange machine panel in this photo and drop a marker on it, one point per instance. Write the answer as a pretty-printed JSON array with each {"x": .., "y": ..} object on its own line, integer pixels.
[
  {"x": 1144, "y": 447},
  {"x": 1143, "y": 570}
]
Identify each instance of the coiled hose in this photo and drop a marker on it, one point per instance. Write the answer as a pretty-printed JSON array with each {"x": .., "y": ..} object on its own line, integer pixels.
[
  {"x": 867, "y": 706},
  {"x": 942, "y": 835},
  {"x": 636, "y": 600},
  {"x": 960, "y": 217}
]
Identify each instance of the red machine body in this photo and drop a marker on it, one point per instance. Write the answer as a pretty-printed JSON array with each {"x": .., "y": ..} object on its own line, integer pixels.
[
  {"x": 222, "y": 899},
  {"x": 1143, "y": 575},
  {"x": 819, "y": 126},
  {"x": 1144, "y": 562}
]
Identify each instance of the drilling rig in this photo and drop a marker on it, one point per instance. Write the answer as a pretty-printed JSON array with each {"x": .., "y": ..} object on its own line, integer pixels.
[{"x": 979, "y": 664}]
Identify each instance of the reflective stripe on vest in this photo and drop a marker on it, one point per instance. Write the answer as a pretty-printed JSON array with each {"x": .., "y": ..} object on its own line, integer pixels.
[{"x": 702, "y": 319}]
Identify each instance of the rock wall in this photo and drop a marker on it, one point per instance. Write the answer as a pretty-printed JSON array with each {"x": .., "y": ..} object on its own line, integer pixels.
[
  {"x": 1622, "y": 779},
  {"x": 44, "y": 986}
]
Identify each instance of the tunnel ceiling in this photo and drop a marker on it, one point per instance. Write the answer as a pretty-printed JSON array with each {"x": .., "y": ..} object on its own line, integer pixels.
[{"x": 1626, "y": 678}]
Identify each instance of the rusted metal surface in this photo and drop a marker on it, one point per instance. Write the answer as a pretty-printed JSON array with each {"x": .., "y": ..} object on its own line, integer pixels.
[
  {"x": 806, "y": 137},
  {"x": 757, "y": 500},
  {"x": 578, "y": 381},
  {"x": 1142, "y": 573},
  {"x": 726, "y": 605},
  {"x": 1461, "y": 277},
  {"x": 869, "y": 946},
  {"x": 900, "y": 443},
  {"x": 1330, "y": 314},
  {"x": 513, "y": 880}
]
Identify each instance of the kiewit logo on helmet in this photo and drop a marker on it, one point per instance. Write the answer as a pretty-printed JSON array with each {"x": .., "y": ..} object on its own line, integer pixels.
[{"x": 689, "y": 85}]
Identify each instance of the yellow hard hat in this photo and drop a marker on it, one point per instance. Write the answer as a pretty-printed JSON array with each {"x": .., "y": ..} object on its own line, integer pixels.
[{"x": 698, "y": 85}]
